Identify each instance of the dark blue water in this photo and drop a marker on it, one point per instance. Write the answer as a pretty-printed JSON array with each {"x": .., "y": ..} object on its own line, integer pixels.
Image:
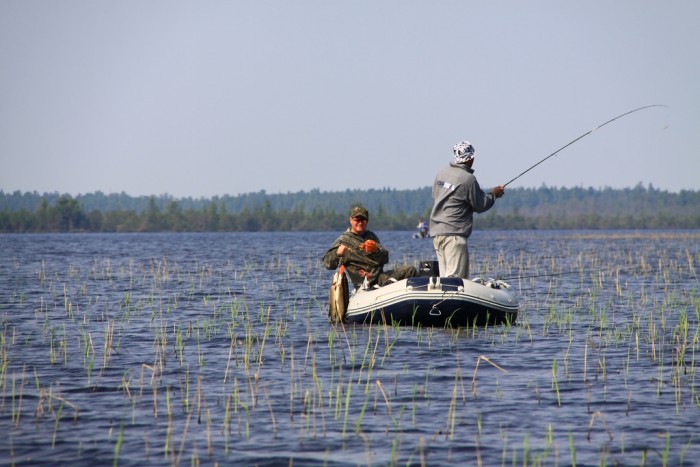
[{"x": 216, "y": 348}]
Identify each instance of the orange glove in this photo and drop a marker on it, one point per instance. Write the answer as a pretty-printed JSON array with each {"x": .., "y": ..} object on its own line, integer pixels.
[{"x": 370, "y": 246}]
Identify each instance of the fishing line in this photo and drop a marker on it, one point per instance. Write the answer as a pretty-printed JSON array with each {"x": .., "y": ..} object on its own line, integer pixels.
[{"x": 583, "y": 135}]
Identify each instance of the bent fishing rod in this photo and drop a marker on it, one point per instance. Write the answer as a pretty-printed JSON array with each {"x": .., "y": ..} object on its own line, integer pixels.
[{"x": 582, "y": 136}]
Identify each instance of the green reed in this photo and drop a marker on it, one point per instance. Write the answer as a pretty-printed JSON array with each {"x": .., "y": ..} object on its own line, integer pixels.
[{"x": 340, "y": 379}]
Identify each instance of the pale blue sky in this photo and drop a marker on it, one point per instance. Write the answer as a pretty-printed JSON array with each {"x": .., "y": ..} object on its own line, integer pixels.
[{"x": 203, "y": 98}]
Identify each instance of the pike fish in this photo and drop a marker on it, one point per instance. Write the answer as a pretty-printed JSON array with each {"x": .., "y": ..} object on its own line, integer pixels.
[{"x": 339, "y": 296}]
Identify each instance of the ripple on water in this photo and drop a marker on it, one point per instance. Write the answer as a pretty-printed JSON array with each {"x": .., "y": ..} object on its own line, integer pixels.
[{"x": 166, "y": 348}]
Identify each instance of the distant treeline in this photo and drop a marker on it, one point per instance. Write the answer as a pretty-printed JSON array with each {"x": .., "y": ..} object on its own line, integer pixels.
[{"x": 522, "y": 208}]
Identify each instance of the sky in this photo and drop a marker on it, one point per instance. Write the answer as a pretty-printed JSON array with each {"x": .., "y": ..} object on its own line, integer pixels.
[{"x": 210, "y": 98}]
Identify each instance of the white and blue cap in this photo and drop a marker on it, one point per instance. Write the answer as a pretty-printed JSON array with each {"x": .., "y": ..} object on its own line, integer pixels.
[{"x": 464, "y": 152}]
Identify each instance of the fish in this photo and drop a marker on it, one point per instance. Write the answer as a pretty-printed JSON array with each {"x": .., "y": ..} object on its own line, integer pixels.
[{"x": 339, "y": 296}]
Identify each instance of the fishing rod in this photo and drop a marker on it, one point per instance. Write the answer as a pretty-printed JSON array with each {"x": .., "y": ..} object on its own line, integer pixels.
[{"x": 583, "y": 135}]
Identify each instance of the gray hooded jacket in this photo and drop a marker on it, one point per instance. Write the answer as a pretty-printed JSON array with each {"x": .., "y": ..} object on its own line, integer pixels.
[{"x": 456, "y": 196}]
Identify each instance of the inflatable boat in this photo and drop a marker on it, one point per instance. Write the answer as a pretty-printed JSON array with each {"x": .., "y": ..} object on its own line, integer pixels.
[{"x": 435, "y": 301}]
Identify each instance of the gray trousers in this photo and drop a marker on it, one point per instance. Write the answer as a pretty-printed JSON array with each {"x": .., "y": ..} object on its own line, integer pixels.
[{"x": 453, "y": 255}]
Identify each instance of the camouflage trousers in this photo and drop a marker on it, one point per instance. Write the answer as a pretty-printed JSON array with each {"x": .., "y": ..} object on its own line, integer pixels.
[{"x": 397, "y": 274}]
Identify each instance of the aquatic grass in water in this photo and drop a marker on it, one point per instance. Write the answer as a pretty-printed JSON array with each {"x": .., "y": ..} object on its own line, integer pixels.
[{"x": 182, "y": 348}]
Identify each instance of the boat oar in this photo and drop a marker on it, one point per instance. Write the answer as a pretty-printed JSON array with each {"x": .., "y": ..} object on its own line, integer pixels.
[
  {"x": 562, "y": 273},
  {"x": 583, "y": 135}
]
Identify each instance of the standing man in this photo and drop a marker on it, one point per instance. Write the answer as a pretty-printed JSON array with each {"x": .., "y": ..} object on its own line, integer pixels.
[
  {"x": 363, "y": 256},
  {"x": 456, "y": 196}
]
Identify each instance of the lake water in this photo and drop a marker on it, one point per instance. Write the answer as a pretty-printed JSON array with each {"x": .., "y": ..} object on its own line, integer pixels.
[{"x": 216, "y": 349}]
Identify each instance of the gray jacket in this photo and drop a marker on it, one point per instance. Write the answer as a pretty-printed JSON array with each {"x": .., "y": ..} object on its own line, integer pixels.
[{"x": 456, "y": 196}]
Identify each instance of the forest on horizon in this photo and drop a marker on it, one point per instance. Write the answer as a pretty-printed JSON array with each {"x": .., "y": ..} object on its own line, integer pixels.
[{"x": 390, "y": 209}]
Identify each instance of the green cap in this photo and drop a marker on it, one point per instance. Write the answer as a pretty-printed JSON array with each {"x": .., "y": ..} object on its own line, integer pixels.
[{"x": 359, "y": 211}]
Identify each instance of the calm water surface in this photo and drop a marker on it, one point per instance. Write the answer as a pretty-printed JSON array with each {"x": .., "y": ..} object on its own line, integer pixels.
[{"x": 216, "y": 348}]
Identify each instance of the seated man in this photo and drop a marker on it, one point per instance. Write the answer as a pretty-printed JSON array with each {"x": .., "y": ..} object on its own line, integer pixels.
[
  {"x": 423, "y": 228},
  {"x": 362, "y": 254}
]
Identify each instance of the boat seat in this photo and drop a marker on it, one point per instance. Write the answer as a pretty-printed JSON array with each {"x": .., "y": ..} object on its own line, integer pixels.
[
  {"x": 447, "y": 283},
  {"x": 451, "y": 283},
  {"x": 417, "y": 282}
]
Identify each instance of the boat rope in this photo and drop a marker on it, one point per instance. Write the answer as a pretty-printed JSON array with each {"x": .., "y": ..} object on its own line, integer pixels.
[{"x": 436, "y": 304}]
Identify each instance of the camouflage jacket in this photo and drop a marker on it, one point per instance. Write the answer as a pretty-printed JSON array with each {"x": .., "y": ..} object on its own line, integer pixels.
[{"x": 356, "y": 260}]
